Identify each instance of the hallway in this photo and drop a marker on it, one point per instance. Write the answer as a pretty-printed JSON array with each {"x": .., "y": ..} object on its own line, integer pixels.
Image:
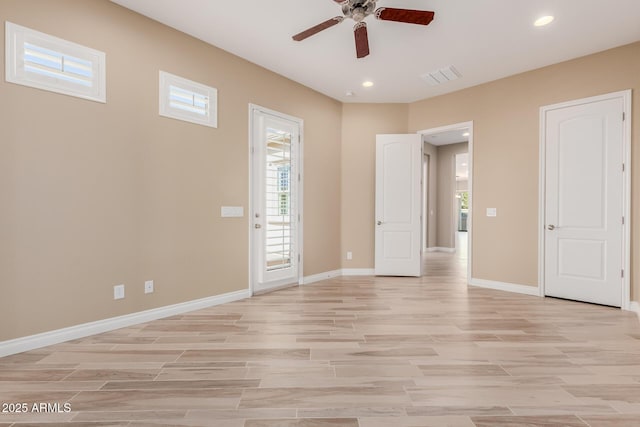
[{"x": 448, "y": 264}]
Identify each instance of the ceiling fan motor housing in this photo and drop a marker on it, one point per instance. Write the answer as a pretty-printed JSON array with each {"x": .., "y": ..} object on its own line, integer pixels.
[{"x": 358, "y": 9}]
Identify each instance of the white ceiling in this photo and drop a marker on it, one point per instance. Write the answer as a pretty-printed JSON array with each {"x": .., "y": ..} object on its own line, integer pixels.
[
  {"x": 484, "y": 39},
  {"x": 447, "y": 137}
]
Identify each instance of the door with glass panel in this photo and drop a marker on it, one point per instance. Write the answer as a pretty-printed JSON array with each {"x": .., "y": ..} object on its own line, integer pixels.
[{"x": 275, "y": 195}]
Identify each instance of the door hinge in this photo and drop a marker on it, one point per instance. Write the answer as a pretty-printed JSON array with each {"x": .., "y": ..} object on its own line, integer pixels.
[
  {"x": 298, "y": 257},
  {"x": 253, "y": 150},
  {"x": 622, "y": 273},
  {"x": 299, "y": 139},
  {"x": 624, "y": 116},
  {"x": 298, "y": 217},
  {"x": 622, "y": 220},
  {"x": 298, "y": 177},
  {"x": 623, "y": 167}
]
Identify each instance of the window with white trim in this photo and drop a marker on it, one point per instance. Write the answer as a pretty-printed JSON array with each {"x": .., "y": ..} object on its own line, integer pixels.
[
  {"x": 183, "y": 99},
  {"x": 45, "y": 62}
]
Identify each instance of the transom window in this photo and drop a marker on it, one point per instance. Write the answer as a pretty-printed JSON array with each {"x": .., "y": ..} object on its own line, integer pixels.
[
  {"x": 186, "y": 100},
  {"x": 46, "y": 62}
]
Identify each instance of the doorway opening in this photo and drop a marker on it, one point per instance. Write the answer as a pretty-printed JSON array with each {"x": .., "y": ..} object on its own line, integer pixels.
[{"x": 447, "y": 194}]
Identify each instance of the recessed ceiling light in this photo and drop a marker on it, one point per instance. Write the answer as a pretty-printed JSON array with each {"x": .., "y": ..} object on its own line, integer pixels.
[
  {"x": 367, "y": 83},
  {"x": 465, "y": 134},
  {"x": 545, "y": 20},
  {"x": 350, "y": 93}
]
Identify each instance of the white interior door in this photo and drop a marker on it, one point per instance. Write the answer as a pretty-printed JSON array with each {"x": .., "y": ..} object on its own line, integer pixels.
[
  {"x": 275, "y": 200},
  {"x": 398, "y": 208},
  {"x": 584, "y": 202}
]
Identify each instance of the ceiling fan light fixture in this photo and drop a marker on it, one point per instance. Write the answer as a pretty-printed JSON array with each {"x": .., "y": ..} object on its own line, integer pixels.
[
  {"x": 358, "y": 14},
  {"x": 543, "y": 21},
  {"x": 367, "y": 83}
]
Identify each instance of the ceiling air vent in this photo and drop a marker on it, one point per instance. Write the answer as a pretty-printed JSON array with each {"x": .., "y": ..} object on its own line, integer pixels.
[{"x": 442, "y": 75}]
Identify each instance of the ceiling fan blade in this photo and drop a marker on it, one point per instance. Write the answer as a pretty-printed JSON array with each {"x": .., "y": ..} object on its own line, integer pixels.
[
  {"x": 421, "y": 17},
  {"x": 362, "y": 39},
  {"x": 322, "y": 26},
  {"x": 340, "y": 1}
]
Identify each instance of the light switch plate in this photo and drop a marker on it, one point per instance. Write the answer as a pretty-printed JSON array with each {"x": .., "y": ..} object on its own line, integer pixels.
[
  {"x": 118, "y": 292},
  {"x": 148, "y": 287},
  {"x": 232, "y": 211},
  {"x": 492, "y": 212}
]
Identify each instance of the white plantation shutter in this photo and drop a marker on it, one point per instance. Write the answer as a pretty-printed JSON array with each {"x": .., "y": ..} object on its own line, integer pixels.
[
  {"x": 279, "y": 204},
  {"x": 48, "y": 62},
  {"x": 186, "y": 100},
  {"x": 45, "y": 62}
]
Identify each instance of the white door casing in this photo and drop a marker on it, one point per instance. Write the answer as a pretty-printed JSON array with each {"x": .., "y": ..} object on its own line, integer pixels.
[
  {"x": 276, "y": 199},
  {"x": 584, "y": 241},
  {"x": 398, "y": 205},
  {"x": 425, "y": 201}
]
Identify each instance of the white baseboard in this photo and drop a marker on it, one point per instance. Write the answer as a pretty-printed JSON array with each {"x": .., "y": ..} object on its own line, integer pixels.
[
  {"x": 307, "y": 280},
  {"x": 502, "y": 286},
  {"x": 321, "y": 276},
  {"x": 635, "y": 307},
  {"x": 357, "y": 272},
  {"x": 286, "y": 284},
  {"x": 441, "y": 249},
  {"x": 31, "y": 342}
]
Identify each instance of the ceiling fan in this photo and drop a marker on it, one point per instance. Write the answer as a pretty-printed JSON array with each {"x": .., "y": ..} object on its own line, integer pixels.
[{"x": 358, "y": 10}]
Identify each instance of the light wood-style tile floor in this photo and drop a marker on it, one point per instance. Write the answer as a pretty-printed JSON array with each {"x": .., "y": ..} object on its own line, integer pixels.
[{"x": 357, "y": 351}]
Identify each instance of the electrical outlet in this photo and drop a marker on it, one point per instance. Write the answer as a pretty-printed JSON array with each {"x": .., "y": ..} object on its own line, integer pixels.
[
  {"x": 148, "y": 287},
  {"x": 349, "y": 255},
  {"x": 118, "y": 292}
]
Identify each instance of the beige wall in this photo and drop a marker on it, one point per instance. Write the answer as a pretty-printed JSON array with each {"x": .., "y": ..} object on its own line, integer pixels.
[
  {"x": 505, "y": 158},
  {"x": 94, "y": 195},
  {"x": 360, "y": 124},
  {"x": 447, "y": 224}
]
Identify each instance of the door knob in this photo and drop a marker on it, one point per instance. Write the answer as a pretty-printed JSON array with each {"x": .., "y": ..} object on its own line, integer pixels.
[
  {"x": 551, "y": 227},
  {"x": 379, "y": 222},
  {"x": 257, "y": 226}
]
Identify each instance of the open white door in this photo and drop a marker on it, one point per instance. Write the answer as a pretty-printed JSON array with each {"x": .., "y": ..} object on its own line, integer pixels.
[
  {"x": 398, "y": 240},
  {"x": 584, "y": 214}
]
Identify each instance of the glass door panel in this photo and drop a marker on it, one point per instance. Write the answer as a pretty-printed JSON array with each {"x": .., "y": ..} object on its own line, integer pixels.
[{"x": 278, "y": 243}]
